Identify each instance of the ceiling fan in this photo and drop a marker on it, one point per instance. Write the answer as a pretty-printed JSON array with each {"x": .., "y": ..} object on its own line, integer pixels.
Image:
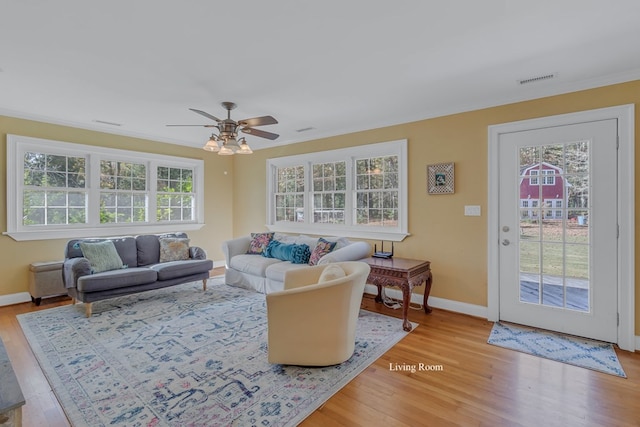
[{"x": 226, "y": 142}]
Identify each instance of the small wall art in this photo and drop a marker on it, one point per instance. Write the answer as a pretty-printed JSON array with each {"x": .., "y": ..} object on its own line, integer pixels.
[{"x": 440, "y": 178}]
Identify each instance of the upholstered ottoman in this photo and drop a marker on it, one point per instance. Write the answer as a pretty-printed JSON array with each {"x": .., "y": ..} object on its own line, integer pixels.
[{"x": 45, "y": 280}]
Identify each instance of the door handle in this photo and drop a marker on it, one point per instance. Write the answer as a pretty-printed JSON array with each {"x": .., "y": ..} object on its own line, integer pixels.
[{"x": 506, "y": 242}]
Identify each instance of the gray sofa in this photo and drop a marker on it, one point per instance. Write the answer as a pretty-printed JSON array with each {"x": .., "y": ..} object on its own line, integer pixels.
[
  {"x": 141, "y": 268},
  {"x": 266, "y": 275}
]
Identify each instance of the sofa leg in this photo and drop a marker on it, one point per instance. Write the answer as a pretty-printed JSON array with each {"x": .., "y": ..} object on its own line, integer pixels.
[
  {"x": 87, "y": 308},
  {"x": 73, "y": 301},
  {"x": 204, "y": 284}
]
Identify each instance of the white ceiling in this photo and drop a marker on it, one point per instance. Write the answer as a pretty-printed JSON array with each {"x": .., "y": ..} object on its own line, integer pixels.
[{"x": 337, "y": 66}]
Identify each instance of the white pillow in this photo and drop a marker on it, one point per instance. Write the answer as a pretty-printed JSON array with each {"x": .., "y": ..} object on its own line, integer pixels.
[{"x": 331, "y": 272}]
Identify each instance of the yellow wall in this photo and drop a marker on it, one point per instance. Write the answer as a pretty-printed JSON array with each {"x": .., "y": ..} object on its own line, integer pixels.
[
  {"x": 456, "y": 245},
  {"x": 15, "y": 257},
  {"x": 236, "y": 202}
]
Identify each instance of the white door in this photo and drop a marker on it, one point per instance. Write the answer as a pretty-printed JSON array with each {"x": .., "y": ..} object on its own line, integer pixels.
[{"x": 558, "y": 228}]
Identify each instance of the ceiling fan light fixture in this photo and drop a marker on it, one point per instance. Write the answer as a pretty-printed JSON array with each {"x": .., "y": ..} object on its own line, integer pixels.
[
  {"x": 244, "y": 147},
  {"x": 212, "y": 145},
  {"x": 225, "y": 151}
]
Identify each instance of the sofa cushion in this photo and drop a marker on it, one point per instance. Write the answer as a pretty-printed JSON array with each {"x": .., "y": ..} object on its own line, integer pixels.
[
  {"x": 252, "y": 264},
  {"x": 174, "y": 249},
  {"x": 259, "y": 242},
  {"x": 114, "y": 279},
  {"x": 322, "y": 248},
  {"x": 174, "y": 269},
  {"x": 297, "y": 254},
  {"x": 277, "y": 271},
  {"x": 102, "y": 256},
  {"x": 148, "y": 247}
]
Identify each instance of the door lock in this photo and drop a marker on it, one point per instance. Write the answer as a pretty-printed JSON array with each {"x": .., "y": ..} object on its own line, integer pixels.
[{"x": 506, "y": 242}]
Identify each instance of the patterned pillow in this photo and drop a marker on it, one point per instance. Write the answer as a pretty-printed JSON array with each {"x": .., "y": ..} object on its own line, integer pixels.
[
  {"x": 259, "y": 242},
  {"x": 173, "y": 249},
  {"x": 322, "y": 248},
  {"x": 102, "y": 256}
]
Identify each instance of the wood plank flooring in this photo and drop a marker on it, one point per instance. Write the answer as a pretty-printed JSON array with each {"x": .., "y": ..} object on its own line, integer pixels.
[{"x": 479, "y": 384}]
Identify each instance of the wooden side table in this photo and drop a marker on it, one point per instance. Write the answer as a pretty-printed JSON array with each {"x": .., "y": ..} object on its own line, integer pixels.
[{"x": 403, "y": 273}]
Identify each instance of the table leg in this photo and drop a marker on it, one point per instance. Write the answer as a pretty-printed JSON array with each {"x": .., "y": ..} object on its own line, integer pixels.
[
  {"x": 406, "y": 300},
  {"x": 379, "y": 296},
  {"x": 427, "y": 290}
]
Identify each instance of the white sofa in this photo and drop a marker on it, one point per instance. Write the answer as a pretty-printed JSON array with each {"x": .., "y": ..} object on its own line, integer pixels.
[{"x": 266, "y": 275}]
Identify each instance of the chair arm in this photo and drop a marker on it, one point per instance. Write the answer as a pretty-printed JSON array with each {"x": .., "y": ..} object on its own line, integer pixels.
[
  {"x": 352, "y": 252},
  {"x": 301, "y": 277},
  {"x": 73, "y": 269},
  {"x": 196, "y": 252},
  {"x": 234, "y": 247}
]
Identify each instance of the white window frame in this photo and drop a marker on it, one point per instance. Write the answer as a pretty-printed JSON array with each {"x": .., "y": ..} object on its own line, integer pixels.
[
  {"x": 16, "y": 147},
  {"x": 349, "y": 229}
]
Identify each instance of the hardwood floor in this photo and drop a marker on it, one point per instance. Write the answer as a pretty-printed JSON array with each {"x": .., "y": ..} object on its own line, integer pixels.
[{"x": 479, "y": 384}]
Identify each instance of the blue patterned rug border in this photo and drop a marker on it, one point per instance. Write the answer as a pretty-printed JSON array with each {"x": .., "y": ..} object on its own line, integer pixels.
[
  {"x": 66, "y": 364},
  {"x": 577, "y": 351}
]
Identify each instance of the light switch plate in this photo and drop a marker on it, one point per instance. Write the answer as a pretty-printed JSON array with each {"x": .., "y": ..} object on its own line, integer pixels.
[{"x": 472, "y": 210}]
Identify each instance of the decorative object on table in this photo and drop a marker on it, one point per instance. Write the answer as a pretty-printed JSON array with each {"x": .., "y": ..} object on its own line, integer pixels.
[
  {"x": 577, "y": 351},
  {"x": 440, "y": 178},
  {"x": 180, "y": 356},
  {"x": 382, "y": 253}
]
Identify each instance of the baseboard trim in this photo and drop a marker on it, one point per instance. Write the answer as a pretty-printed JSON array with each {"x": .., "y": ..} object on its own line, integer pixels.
[
  {"x": 18, "y": 298},
  {"x": 435, "y": 302}
]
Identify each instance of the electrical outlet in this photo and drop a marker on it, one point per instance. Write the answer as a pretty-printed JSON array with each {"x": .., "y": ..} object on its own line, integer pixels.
[{"x": 473, "y": 210}]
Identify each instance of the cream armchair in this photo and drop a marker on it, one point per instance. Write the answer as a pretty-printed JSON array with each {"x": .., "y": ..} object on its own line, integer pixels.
[{"x": 312, "y": 322}]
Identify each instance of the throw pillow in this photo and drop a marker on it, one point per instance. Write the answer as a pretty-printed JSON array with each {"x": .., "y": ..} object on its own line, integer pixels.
[
  {"x": 102, "y": 256},
  {"x": 259, "y": 242},
  {"x": 331, "y": 272},
  {"x": 297, "y": 254},
  {"x": 173, "y": 249},
  {"x": 322, "y": 248}
]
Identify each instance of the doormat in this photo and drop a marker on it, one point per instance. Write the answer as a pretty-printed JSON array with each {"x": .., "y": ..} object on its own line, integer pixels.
[
  {"x": 585, "y": 353},
  {"x": 179, "y": 356}
]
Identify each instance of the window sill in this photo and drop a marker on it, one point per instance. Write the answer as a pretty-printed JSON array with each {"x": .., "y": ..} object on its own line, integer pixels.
[
  {"x": 393, "y": 236},
  {"x": 100, "y": 231}
]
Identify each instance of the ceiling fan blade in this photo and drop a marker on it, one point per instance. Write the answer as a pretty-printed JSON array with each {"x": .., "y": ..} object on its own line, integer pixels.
[
  {"x": 260, "y": 133},
  {"x": 258, "y": 121},
  {"x": 206, "y": 126},
  {"x": 204, "y": 113}
]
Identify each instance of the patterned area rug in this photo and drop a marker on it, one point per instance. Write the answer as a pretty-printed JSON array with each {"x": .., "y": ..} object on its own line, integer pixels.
[
  {"x": 178, "y": 356},
  {"x": 582, "y": 352}
]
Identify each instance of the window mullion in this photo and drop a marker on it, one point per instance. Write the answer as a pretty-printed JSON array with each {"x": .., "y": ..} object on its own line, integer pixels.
[
  {"x": 93, "y": 190},
  {"x": 152, "y": 191}
]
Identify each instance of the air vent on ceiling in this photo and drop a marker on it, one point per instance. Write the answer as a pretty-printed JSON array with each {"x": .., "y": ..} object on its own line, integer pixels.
[
  {"x": 102, "y": 122},
  {"x": 537, "y": 78},
  {"x": 305, "y": 129}
]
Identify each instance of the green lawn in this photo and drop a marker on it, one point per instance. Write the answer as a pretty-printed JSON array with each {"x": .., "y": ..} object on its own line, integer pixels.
[{"x": 548, "y": 244}]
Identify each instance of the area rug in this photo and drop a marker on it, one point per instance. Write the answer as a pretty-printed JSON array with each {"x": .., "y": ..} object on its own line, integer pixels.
[
  {"x": 180, "y": 356},
  {"x": 582, "y": 352}
]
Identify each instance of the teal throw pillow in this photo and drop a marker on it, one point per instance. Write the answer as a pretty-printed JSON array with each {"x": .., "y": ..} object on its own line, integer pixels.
[
  {"x": 102, "y": 256},
  {"x": 297, "y": 254}
]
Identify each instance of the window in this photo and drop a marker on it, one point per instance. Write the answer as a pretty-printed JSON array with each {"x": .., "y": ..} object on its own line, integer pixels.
[
  {"x": 533, "y": 180},
  {"x": 289, "y": 195},
  {"x": 548, "y": 177},
  {"x": 58, "y": 190},
  {"x": 357, "y": 192}
]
